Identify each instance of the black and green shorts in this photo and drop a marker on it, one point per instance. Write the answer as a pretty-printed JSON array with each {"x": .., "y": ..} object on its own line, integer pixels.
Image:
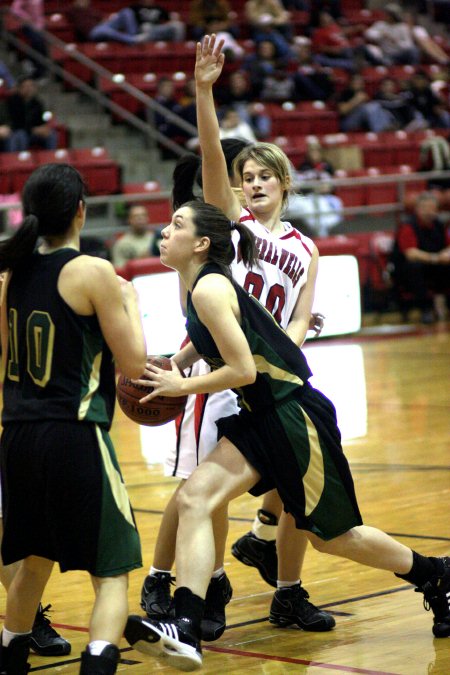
[
  {"x": 296, "y": 448},
  {"x": 64, "y": 498}
]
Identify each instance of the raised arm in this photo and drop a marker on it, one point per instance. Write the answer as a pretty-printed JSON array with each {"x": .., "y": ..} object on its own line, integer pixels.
[{"x": 216, "y": 185}]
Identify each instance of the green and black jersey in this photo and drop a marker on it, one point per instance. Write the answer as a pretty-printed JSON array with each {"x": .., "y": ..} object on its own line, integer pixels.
[
  {"x": 59, "y": 366},
  {"x": 280, "y": 364},
  {"x": 286, "y": 429}
]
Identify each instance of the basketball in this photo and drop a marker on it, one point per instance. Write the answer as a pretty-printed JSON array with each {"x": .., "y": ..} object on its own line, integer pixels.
[{"x": 159, "y": 410}]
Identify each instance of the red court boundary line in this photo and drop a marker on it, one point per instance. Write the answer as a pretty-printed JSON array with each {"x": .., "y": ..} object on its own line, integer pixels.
[
  {"x": 302, "y": 662},
  {"x": 256, "y": 655}
]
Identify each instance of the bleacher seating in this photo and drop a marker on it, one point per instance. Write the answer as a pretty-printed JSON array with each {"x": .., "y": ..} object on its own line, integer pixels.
[
  {"x": 159, "y": 210},
  {"x": 102, "y": 174}
]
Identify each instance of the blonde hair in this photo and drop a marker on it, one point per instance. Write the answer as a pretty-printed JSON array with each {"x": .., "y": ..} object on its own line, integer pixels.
[{"x": 271, "y": 157}]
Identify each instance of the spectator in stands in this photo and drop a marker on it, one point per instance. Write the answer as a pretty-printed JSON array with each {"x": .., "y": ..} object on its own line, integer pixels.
[
  {"x": 313, "y": 82},
  {"x": 269, "y": 20},
  {"x": 238, "y": 94},
  {"x": 202, "y": 12},
  {"x": 232, "y": 125},
  {"x": 317, "y": 209},
  {"x": 391, "y": 40},
  {"x": 314, "y": 165},
  {"x": 137, "y": 242},
  {"x": 429, "y": 48},
  {"x": 426, "y": 102},
  {"x": 359, "y": 113},
  {"x": 278, "y": 86},
  {"x": 265, "y": 62},
  {"x": 399, "y": 105},
  {"x": 5, "y": 128},
  {"x": 422, "y": 258},
  {"x": 84, "y": 18},
  {"x": 166, "y": 96},
  {"x": 31, "y": 12},
  {"x": 29, "y": 121},
  {"x": 187, "y": 108},
  {"x": 142, "y": 22},
  {"x": 231, "y": 47},
  {"x": 331, "y": 45},
  {"x": 333, "y": 7},
  {"x": 6, "y": 76}
]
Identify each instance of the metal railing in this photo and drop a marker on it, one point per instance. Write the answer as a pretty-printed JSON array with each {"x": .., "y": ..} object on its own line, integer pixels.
[
  {"x": 98, "y": 72},
  {"x": 401, "y": 181}
]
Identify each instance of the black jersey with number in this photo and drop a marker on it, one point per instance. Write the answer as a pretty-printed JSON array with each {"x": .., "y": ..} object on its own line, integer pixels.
[
  {"x": 281, "y": 366},
  {"x": 59, "y": 365}
]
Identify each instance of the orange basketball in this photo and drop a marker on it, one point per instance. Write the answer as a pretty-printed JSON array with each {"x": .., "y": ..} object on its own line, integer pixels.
[{"x": 159, "y": 410}]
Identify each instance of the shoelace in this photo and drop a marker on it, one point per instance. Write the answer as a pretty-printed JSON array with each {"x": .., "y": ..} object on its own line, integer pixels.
[
  {"x": 162, "y": 590},
  {"x": 43, "y": 621},
  {"x": 304, "y": 595}
]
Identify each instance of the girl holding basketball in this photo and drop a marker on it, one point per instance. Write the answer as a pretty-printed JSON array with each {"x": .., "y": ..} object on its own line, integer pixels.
[
  {"x": 285, "y": 436},
  {"x": 284, "y": 281},
  {"x": 64, "y": 316}
]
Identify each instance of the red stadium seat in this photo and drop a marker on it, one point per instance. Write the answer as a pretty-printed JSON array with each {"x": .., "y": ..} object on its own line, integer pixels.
[
  {"x": 19, "y": 166},
  {"x": 102, "y": 174}
]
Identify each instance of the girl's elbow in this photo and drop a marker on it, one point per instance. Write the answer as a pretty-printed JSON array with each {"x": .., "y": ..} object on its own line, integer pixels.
[{"x": 249, "y": 375}]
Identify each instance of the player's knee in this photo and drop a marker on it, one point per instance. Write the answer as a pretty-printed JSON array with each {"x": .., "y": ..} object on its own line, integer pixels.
[{"x": 191, "y": 500}]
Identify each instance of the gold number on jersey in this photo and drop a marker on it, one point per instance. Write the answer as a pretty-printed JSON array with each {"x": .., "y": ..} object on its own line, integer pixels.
[
  {"x": 13, "y": 360},
  {"x": 40, "y": 341}
]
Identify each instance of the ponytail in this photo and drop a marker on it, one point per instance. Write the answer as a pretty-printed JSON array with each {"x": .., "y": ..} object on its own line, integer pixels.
[
  {"x": 211, "y": 222},
  {"x": 50, "y": 199},
  {"x": 247, "y": 245},
  {"x": 15, "y": 251},
  {"x": 186, "y": 174}
]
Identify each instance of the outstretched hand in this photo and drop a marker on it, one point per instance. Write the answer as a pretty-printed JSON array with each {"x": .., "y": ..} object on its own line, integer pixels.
[
  {"x": 163, "y": 382},
  {"x": 316, "y": 323},
  {"x": 209, "y": 60}
]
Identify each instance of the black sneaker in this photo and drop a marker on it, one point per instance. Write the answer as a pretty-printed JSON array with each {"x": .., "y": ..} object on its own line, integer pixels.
[
  {"x": 436, "y": 596},
  {"x": 291, "y": 606},
  {"x": 100, "y": 664},
  {"x": 258, "y": 553},
  {"x": 217, "y": 596},
  {"x": 175, "y": 641},
  {"x": 45, "y": 641},
  {"x": 155, "y": 595},
  {"x": 13, "y": 658}
]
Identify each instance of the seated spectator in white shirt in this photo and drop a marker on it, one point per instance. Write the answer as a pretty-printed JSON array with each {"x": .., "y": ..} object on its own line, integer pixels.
[{"x": 137, "y": 242}]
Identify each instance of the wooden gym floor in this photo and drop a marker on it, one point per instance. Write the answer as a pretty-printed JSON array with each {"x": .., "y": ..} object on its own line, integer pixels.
[{"x": 392, "y": 397}]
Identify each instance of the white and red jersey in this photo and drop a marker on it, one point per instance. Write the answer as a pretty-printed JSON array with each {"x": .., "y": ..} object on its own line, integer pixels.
[{"x": 284, "y": 261}]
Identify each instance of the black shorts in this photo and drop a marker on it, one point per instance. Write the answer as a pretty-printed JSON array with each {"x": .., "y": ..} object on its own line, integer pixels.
[
  {"x": 64, "y": 498},
  {"x": 296, "y": 447}
]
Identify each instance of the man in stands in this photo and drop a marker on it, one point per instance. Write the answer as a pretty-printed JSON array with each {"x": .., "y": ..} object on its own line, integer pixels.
[{"x": 422, "y": 258}]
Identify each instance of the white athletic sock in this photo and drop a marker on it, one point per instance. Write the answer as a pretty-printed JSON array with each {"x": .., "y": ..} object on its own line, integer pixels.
[
  {"x": 288, "y": 584},
  {"x": 263, "y": 531},
  {"x": 8, "y": 635},
  {"x": 217, "y": 573},
  {"x": 154, "y": 570},
  {"x": 97, "y": 646}
]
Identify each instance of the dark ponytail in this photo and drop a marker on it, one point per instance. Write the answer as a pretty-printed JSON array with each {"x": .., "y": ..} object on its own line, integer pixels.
[
  {"x": 211, "y": 222},
  {"x": 186, "y": 174},
  {"x": 188, "y": 171},
  {"x": 20, "y": 246},
  {"x": 50, "y": 200}
]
